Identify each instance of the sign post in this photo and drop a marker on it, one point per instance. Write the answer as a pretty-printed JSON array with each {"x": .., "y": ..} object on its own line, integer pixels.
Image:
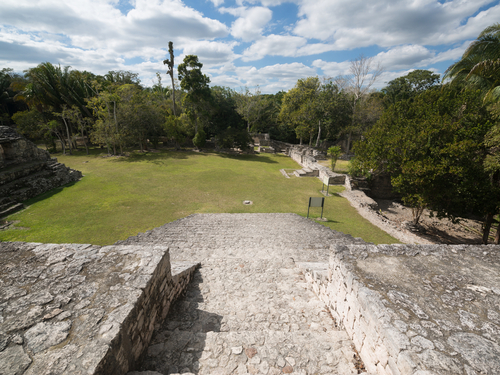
[{"x": 316, "y": 202}]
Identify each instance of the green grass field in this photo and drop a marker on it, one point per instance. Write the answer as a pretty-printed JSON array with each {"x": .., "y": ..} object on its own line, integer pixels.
[{"x": 120, "y": 197}]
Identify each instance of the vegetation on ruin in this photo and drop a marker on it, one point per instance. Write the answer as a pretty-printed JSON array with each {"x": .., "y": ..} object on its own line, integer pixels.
[{"x": 119, "y": 197}]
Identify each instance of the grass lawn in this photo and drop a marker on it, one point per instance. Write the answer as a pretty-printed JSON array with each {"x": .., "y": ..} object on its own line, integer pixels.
[
  {"x": 341, "y": 166},
  {"x": 120, "y": 197}
]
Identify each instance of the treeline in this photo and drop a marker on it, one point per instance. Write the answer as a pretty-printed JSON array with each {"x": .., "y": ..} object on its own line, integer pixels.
[
  {"x": 441, "y": 143},
  {"x": 52, "y": 103}
]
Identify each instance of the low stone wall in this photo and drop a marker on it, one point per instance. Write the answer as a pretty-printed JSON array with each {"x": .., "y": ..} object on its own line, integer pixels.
[
  {"x": 414, "y": 309},
  {"x": 82, "y": 309},
  {"x": 302, "y": 156}
]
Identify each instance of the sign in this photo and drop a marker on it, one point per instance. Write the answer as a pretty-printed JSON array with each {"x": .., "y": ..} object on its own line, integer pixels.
[{"x": 316, "y": 202}]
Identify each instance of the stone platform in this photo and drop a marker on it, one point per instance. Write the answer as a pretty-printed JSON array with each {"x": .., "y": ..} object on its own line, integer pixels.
[
  {"x": 82, "y": 309},
  {"x": 251, "y": 308},
  {"x": 416, "y": 309}
]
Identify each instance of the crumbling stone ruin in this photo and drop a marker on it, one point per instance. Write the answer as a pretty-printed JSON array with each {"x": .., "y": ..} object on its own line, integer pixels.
[
  {"x": 250, "y": 306},
  {"x": 27, "y": 171}
]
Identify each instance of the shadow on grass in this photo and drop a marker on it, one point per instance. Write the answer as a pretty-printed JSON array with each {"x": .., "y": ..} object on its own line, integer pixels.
[
  {"x": 160, "y": 157},
  {"x": 47, "y": 194},
  {"x": 153, "y": 157},
  {"x": 259, "y": 158}
]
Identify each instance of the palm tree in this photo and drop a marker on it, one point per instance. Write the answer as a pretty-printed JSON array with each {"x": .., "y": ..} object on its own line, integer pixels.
[{"x": 480, "y": 64}]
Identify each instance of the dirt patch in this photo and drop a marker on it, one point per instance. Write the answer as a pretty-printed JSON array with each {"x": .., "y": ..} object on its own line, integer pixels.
[{"x": 396, "y": 219}]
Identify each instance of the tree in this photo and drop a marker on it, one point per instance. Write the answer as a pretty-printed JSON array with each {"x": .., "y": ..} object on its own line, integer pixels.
[
  {"x": 299, "y": 108},
  {"x": 432, "y": 146},
  {"x": 333, "y": 106},
  {"x": 170, "y": 72},
  {"x": 251, "y": 107},
  {"x": 479, "y": 66},
  {"x": 195, "y": 83},
  {"x": 334, "y": 152},
  {"x": 410, "y": 85},
  {"x": 225, "y": 124},
  {"x": 363, "y": 75}
]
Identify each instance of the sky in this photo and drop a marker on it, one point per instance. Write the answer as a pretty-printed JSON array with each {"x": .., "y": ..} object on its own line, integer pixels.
[{"x": 260, "y": 44}]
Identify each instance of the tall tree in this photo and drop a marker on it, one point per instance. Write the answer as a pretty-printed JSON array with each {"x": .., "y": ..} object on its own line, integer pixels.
[
  {"x": 251, "y": 106},
  {"x": 195, "y": 83},
  {"x": 170, "y": 72},
  {"x": 480, "y": 64},
  {"x": 410, "y": 85},
  {"x": 364, "y": 73},
  {"x": 300, "y": 110}
]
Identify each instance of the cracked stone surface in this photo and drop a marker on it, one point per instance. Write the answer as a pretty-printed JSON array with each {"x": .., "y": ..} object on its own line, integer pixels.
[{"x": 248, "y": 309}]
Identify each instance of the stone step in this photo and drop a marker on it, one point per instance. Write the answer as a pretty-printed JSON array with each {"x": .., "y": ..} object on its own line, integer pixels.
[
  {"x": 6, "y": 211},
  {"x": 300, "y": 173},
  {"x": 255, "y": 316}
]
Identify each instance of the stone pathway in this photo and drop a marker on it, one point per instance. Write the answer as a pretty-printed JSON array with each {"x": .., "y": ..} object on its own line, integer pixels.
[{"x": 248, "y": 309}]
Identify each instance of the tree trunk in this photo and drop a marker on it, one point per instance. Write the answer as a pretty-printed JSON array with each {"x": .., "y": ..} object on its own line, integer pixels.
[
  {"x": 319, "y": 134},
  {"x": 63, "y": 144},
  {"x": 85, "y": 142},
  {"x": 173, "y": 92},
  {"x": 349, "y": 137},
  {"x": 487, "y": 227},
  {"x": 69, "y": 138},
  {"x": 497, "y": 235},
  {"x": 300, "y": 141}
]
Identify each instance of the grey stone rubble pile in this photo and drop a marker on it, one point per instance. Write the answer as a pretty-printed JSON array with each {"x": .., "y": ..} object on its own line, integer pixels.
[
  {"x": 82, "y": 309},
  {"x": 248, "y": 309},
  {"x": 416, "y": 309},
  {"x": 27, "y": 171}
]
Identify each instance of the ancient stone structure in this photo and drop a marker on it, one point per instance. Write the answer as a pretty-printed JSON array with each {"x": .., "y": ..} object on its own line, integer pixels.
[
  {"x": 82, "y": 309},
  {"x": 386, "y": 309},
  {"x": 415, "y": 309},
  {"x": 260, "y": 139},
  {"x": 27, "y": 171}
]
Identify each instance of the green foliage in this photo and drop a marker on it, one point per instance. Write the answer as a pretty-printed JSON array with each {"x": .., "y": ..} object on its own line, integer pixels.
[
  {"x": 432, "y": 146},
  {"x": 479, "y": 66},
  {"x": 334, "y": 152},
  {"x": 409, "y": 86},
  {"x": 200, "y": 139}
]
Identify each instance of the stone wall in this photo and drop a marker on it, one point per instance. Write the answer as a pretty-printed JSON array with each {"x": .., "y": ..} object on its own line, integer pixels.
[
  {"x": 82, "y": 309},
  {"x": 304, "y": 156},
  {"x": 27, "y": 171},
  {"x": 411, "y": 309},
  {"x": 261, "y": 139}
]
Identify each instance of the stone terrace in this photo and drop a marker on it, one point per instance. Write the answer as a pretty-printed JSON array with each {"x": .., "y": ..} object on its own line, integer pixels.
[
  {"x": 248, "y": 309},
  {"x": 408, "y": 310}
]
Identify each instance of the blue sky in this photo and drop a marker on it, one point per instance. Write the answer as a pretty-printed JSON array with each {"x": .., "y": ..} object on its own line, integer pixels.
[{"x": 268, "y": 44}]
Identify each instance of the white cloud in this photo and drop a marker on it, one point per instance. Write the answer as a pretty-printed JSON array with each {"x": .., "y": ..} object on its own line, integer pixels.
[
  {"x": 251, "y": 21},
  {"x": 210, "y": 53},
  {"x": 332, "y": 68},
  {"x": 274, "y": 45},
  {"x": 350, "y": 24},
  {"x": 94, "y": 24},
  {"x": 217, "y": 3},
  {"x": 403, "y": 57}
]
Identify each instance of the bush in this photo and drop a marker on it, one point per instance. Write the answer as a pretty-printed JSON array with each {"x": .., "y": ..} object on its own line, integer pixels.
[{"x": 199, "y": 139}]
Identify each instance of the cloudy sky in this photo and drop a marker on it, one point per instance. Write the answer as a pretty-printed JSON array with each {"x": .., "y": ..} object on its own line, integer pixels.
[{"x": 265, "y": 43}]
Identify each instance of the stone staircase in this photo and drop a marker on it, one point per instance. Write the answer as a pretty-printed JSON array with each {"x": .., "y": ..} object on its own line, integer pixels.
[
  {"x": 307, "y": 172},
  {"x": 9, "y": 206},
  {"x": 249, "y": 309},
  {"x": 249, "y": 317}
]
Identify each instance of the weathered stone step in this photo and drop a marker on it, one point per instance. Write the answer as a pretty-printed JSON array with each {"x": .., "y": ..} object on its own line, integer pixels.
[
  {"x": 14, "y": 207},
  {"x": 249, "y": 316}
]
